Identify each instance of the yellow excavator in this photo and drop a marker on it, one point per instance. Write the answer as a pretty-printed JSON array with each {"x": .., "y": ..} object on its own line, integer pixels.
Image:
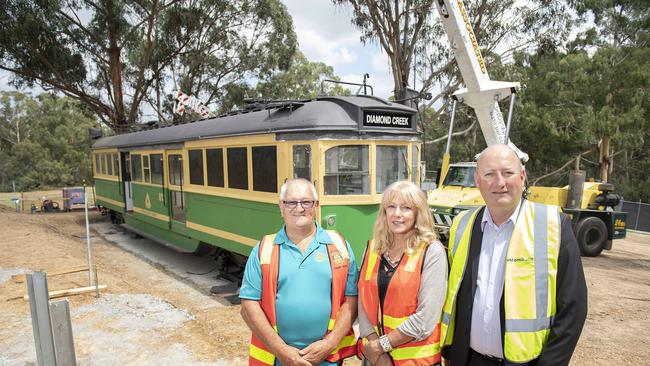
[{"x": 591, "y": 205}]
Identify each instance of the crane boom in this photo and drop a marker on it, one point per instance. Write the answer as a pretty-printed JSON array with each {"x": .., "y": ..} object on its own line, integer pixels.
[{"x": 480, "y": 93}]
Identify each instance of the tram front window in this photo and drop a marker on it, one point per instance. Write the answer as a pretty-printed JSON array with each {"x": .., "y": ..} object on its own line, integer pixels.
[
  {"x": 392, "y": 165},
  {"x": 346, "y": 170},
  {"x": 460, "y": 176},
  {"x": 302, "y": 161}
]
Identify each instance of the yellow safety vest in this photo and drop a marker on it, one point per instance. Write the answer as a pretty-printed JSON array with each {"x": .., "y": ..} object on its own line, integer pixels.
[{"x": 530, "y": 278}]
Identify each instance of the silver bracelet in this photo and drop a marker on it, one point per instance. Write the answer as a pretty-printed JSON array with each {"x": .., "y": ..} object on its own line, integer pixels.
[{"x": 384, "y": 342}]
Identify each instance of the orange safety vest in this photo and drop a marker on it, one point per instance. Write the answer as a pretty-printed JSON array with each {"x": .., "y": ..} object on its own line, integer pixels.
[
  {"x": 400, "y": 302},
  {"x": 269, "y": 255}
]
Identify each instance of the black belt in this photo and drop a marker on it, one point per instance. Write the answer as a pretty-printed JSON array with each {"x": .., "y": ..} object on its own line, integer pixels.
[{"x": 495, "y": 360}]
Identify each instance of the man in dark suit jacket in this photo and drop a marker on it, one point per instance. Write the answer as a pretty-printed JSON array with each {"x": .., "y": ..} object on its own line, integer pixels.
[{"x": 478, "y": 329}]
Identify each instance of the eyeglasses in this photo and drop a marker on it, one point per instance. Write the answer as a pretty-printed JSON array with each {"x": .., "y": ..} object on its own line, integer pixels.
[{"x": 294, "y": 204}]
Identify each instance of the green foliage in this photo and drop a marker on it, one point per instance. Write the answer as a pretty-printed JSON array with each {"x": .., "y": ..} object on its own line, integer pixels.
[
  {"x": 53, "y": 148},
  {"x": 575, "y": 92},
  {"x": 412, "y": 35},
  {"x": 301, "y": 81},
  {"x": 594, "y": 88},
  {"x": 116, "y": 56}
]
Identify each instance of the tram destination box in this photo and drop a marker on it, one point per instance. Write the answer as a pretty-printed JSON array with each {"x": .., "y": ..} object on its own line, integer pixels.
[{"x": 387, "y": 120}]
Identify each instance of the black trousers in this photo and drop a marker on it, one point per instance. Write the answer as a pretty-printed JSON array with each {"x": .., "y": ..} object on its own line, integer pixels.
[{"x": 477, "y": 359}]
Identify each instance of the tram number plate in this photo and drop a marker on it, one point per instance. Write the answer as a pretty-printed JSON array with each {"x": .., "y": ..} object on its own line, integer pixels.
[{"x": 374, "y": 119}]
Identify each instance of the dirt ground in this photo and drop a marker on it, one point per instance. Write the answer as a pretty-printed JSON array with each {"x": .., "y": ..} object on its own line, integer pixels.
[{"x": 146, "y": 316}]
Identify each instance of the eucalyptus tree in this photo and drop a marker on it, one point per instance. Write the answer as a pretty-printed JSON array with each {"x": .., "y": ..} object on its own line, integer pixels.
[
  {"x": 53, "y": 148},
  {"x": 117, "y": 56},
  {"x": 411, "y": 34},
  {"x": 302, "y": 80}
]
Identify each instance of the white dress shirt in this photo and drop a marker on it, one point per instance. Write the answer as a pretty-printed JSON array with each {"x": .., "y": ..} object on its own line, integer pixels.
[{"x": 485, "y": 335}]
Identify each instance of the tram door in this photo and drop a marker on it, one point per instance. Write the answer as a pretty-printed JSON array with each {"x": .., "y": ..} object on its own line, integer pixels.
[
  {"x": 177, "y": 199},
  {"x": 126, "y": 173}
]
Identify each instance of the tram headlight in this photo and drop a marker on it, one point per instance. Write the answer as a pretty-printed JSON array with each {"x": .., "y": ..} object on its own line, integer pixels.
[{"x": 330, "y": 221}]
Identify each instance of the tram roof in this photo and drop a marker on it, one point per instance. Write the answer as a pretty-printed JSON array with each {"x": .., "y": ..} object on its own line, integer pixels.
[{"x": 334, "y": 114}]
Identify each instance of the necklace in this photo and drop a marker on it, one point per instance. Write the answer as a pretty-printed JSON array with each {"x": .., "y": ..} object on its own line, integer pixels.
[{"x": 391, "y": 261}]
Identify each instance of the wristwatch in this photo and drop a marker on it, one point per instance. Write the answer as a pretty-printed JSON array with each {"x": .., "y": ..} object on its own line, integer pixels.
[{"x": 384, "y": 342}]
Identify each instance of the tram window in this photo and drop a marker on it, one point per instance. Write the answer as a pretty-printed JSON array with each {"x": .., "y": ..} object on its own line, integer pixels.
[
  {"x": 196, "y": 167},
  {"x": 302, "y": 161},
  {"x": 102, "y": 163},
  {"x": 97, "y": 168},
  {"x": 175, "y": 169},
  {"x": 237, "y": 168},
  {"x": 346, "y": 170},
  {"x": 415, "y": 165},
  {"x": 265, "y": 169},
  {"x": 116, "y": 165},
  {"x": 136, "y": 164},
  {"x": 109, "y": 164},
  {"x": 146, "y": 171},
  {"x": 156, "y": 168},
  {"x": 214, "y": 159},
  {"x": 392, "y": 165}
]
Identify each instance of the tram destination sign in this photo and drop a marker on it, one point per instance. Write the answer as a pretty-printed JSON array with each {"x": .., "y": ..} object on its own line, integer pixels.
[{"x": 383, "y": 119}]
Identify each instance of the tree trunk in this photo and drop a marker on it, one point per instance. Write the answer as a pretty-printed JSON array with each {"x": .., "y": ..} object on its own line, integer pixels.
[
  {"x": 604, "y": 158},
  {"x": 626, "y": 167},
  {"x": 17, "y": 130},
  {"x": 114, "y": 50}
]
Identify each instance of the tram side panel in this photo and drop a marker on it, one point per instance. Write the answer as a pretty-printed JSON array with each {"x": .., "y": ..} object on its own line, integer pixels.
[
  {"x": 150, "y": 216},
  {"x": 108, "y": 193},
  {"x": 108, "y": 189},
  {"x": 152, "y": 201},
  {"x": 354, "y": 222},
  {"x": 230, "y": 223}
]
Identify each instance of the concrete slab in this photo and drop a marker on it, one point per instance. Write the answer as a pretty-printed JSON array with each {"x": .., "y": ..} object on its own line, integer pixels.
[{"x": 199, "y": 272}]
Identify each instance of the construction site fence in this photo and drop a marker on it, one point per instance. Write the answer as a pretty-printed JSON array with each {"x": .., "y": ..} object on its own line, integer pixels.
[
  {"x": 638, "y": 215},
  {"x": 22, "y": 201}
]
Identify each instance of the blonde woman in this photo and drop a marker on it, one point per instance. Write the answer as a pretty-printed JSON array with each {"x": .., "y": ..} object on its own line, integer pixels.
[{"x": 402, "y": 283}]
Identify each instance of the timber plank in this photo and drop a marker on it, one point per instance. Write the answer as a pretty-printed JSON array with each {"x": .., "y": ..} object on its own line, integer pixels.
[
  {"x": 21, "y": 277},
  {"x": 70, "y": 292}
]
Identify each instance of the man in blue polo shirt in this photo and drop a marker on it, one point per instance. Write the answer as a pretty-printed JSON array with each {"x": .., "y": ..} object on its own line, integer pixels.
[{"x": 296, "y": 281}]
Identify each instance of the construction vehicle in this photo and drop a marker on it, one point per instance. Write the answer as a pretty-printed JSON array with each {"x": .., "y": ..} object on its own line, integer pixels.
[{"x": 591, "y": 205}]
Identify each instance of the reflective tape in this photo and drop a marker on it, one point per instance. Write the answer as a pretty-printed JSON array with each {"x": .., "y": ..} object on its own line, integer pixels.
[
  {"x": 462, "y": 225},
  {"x": 392, "y": 322},
  {"x": 540, "y": 236},
  {"x": 262, "y": 355},
  {"x": 528, "y": 325},
  {"x": 408, "y": 353},
  {"x": 446, "y": 318}
]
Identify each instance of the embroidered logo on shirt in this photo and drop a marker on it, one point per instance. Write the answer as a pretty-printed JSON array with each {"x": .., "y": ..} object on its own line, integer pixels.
[
  {"x": 319, "y": 257},
  {"x": 337, "y": 259}
]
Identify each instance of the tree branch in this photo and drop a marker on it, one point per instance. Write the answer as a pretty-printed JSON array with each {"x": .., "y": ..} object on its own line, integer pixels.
[
  {"x": 459, "y": 133},
  {"x": 534, "y": 181}
]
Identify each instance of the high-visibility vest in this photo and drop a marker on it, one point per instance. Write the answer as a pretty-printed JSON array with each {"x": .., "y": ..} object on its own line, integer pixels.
[
  {"x": 400, "y": 302},
  {"x": 269, "y": 255},
  {"x": 529, "y": 279}
]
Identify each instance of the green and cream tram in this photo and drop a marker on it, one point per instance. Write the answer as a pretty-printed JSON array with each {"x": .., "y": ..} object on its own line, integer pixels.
[{"x": 215, "y": 182}]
